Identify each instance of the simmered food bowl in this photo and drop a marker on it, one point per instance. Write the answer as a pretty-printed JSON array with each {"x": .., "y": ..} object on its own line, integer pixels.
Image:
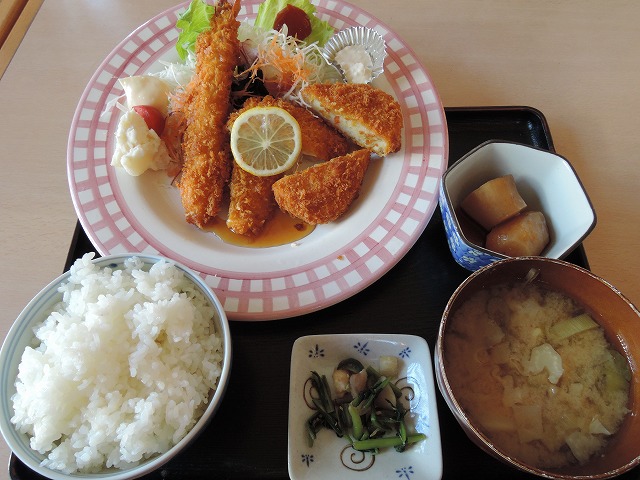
[
  {"x": 538, "y": 360},
  {"x": 547, "y": 190},
  {"x": 113, "y": 368}
]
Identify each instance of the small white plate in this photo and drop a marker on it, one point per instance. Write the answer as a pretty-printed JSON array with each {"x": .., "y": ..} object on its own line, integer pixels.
[{"x": 332, "y": 457}]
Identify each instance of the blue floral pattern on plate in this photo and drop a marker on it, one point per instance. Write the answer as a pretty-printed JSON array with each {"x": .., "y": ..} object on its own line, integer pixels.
[{"x": 333, "y": 457}]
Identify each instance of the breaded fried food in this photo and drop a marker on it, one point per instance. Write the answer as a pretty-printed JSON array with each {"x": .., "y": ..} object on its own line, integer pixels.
[
  {"x": 206, "y": 150},
  {"x": 252, "y": 202},
  {"x": 319, "y": 140},
  {"x": 323, "y": 193},
  {"x": 367, "y": 115}
]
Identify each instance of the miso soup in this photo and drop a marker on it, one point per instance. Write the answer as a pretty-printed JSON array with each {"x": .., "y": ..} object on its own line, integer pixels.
[{"x": 534, "y": 371}]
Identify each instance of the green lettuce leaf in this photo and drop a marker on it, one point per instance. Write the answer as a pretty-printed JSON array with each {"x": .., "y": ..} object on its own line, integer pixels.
[
  {"x": 195, "y": 20},
  {"x": 321, "y": 31}
]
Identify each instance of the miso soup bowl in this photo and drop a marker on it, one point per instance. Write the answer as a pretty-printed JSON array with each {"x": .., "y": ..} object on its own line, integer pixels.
[
  {"x": 620, "y": 320},
  {"x": 547, "y": 183}
]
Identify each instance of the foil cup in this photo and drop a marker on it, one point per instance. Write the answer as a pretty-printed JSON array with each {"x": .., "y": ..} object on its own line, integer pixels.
[{"x": 371, "y": 40}]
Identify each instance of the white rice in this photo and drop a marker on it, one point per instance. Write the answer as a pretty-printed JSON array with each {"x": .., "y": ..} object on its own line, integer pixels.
[{"x": 121, "y": 369}]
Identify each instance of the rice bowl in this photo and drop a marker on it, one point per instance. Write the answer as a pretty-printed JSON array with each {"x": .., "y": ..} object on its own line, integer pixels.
[{"x": 128, "y": 368}]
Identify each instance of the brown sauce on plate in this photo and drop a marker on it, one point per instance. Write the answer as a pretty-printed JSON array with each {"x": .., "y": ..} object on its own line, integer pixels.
[{"x": 280, "y": 229}]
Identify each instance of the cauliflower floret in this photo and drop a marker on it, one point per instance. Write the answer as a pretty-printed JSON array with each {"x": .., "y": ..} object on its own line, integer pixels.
[{"x": 138, "y": 148}]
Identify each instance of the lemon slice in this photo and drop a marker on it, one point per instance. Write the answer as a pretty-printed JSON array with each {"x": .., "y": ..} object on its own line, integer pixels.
[{"x": 265, "y": 141}]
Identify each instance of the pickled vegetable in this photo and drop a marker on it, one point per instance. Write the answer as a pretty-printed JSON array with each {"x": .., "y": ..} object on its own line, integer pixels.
[
  {"x": 388, "y": 366},
  {"x": 368, "y": 410},
  {"x": 524, "y": 235},
  {"x": 494, "y": 202}
]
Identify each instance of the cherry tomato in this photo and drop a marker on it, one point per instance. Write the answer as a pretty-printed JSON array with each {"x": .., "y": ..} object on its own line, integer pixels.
[
  {"x": 152, "y": 117},
  {"x": 297, "y": 22}
]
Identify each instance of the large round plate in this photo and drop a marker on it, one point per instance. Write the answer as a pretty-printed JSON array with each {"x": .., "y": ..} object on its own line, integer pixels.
[{"x": 144, "y": 214}]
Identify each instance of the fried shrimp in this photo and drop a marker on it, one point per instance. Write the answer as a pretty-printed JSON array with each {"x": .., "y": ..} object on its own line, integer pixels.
[
  {"x": 206, "y": 150},
  {"x": 252, "y": 202},
  {"x": 319, "y": 140}
]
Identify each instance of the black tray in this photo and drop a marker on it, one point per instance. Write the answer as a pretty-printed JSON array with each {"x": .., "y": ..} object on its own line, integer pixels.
[{"x": 248, "y": 436}]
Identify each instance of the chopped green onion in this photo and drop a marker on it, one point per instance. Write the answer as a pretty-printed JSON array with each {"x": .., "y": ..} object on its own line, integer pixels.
[
  {"x": 617, "y": 373},
  {"x": 572, "y": 326}
]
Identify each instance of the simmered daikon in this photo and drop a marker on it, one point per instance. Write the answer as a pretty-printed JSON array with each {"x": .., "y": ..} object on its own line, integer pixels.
[
  {"x": 494, "y": 202},
  {"x": 525, "y": 234},
  {"x": 498, "y": 207}
]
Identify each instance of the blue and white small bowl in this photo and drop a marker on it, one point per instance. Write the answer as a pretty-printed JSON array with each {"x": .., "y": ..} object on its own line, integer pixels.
[
  {"x": 546, "y": 181},
  {"x": 22, "y": 334}
]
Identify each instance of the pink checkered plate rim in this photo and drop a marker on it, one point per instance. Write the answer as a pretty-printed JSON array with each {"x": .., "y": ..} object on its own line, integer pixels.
[{"x": 143, "y": 214}]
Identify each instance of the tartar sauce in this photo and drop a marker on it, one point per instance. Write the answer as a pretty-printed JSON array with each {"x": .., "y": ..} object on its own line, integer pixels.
[{"x": 356, "y": 64}]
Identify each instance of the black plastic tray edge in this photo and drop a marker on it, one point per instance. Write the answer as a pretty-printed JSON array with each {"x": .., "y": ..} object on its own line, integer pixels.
[
  {"x": 578, "y": 253},
  {"x": 540, "y": 117}
]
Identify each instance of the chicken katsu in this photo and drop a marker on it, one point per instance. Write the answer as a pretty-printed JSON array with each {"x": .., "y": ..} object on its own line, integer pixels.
[
  {"x": 323, "y": 193},
  {"x": 206, "y": 149},
  {"x": 367, "y": 115},
  {"x": 319, "y": 140}
]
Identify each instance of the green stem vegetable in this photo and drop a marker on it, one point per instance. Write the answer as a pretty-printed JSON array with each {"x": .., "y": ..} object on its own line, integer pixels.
[
  {"x": 385, "y": 442},
  {"x": 356, "y": 422},
  {"x": 363, "y": 423}
]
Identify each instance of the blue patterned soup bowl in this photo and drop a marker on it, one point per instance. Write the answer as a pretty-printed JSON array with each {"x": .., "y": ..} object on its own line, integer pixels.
[
  {"x": 546, "y": 183},
  {"x": 113, "y": 368}
]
